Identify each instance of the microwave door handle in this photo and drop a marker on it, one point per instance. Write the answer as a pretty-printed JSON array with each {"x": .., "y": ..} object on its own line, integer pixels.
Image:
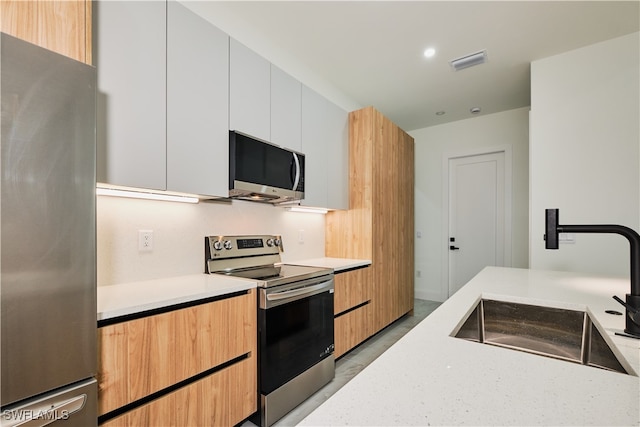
[{"x": 296, "y": 179}]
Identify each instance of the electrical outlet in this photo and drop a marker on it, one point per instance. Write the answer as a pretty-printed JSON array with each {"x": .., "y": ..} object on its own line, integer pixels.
[
  {"x": 145, "y": 240},
  {"x": 301, "y": 236}
]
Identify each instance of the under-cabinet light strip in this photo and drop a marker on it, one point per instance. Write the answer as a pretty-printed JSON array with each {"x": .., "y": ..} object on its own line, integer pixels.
[
  {"x": 306, "y": 210},
  {"x": 144, "y": 195}
]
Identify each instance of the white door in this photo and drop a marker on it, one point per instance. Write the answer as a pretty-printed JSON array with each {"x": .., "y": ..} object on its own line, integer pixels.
[{"x": 476, "y": 216}]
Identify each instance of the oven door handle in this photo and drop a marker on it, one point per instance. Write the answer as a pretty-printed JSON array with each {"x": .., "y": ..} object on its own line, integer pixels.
[{"x": 300, "y": 292}]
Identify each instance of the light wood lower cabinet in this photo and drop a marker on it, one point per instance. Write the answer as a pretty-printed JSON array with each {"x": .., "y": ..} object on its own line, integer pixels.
[
  {"x": 351, "y": 289},
  {"x": 214, "y": 333},
  {"x": 140, "y": 357},
  {"x": 351, "y": 329},
  {"x": 223, "y": 398},
  {"x": 352, "y": 295}
]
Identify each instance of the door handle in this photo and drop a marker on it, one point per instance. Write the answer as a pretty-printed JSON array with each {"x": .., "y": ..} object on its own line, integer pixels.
[
  {"x": 298, "y": 292},
  {"x": 454, "y": 248}
]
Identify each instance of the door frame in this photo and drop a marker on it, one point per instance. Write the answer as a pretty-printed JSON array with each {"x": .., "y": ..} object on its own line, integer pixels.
[{"x": 508, "y": 224}]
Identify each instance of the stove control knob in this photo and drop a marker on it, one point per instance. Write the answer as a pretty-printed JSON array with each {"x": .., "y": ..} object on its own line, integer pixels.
[
  {"x": 227, "y": 245},
  {"x": 277, "y": 242},
  {"x": 217, "y": 245},
  {"x": 270, "y": 242}
]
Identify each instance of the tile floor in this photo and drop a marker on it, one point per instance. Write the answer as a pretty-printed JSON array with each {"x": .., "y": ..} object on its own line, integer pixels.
[{"x": 353, "y": 362}]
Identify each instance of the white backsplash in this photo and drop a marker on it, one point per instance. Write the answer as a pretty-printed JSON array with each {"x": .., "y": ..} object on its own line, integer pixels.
[{"x": 179, "y": 230}]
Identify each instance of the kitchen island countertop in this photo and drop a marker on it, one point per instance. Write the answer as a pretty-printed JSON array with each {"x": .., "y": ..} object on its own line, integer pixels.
[
  {"x": 136, "y": 297},
  {"x": 431, "y": 378}
]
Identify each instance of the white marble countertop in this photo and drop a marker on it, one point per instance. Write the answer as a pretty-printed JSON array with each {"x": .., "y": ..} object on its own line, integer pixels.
[
  {"x": 130, "y": 298},
  {"x": 431, "y": 378},
  {"x": 337, "y": 264}
]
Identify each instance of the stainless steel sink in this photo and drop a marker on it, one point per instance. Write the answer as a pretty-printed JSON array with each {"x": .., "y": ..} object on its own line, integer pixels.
[{"x": 547, "y": 331}]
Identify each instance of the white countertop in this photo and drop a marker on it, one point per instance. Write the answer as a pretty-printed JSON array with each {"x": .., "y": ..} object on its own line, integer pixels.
[
  {"x": 337, "y": 264},
  {"x": 135, "y": 297},
  {"x": 431, "y": 378},
  {"x": 130, "y": 298}
]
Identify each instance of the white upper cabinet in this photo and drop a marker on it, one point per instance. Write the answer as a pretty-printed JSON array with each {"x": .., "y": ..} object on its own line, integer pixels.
[
  {"x": 314, "y": 146},
  {"x": 285, "y": 109},
  {"x": 269, "y": 104},
  {"x": 197, "y": 104},
  {"x": 163, "y": 98},
  {"x": 337, "y": 122},
  {"x": 326, "y": 148},
  {"x": 170, "y": 87},
  {"x": 249, "y": 92},
  {"x": 264, "y": 101},
  {"x": 130, "y": 56}
]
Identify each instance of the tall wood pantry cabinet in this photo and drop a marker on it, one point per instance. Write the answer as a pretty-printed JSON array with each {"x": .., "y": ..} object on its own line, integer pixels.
[
  {"x": 60, "y": 26},
  {"x": 380, "y": 221}
]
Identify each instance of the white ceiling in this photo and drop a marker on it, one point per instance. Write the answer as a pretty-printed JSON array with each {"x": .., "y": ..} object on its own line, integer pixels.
[{"x": 372, "y": 50}]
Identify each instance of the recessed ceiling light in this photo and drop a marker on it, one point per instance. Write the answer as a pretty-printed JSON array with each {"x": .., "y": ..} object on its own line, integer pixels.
[
  {"x": 439, "y": 113},
  {"x": 475, "y": 110},
  {"x": 429, "y": 52}
]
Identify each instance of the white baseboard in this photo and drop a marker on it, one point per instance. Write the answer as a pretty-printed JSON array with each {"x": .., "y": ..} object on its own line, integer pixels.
[{"x": 428, "y": 295}]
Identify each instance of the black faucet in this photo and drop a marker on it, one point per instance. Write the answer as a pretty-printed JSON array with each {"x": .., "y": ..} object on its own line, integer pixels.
[{"x": 632, "y": 304}]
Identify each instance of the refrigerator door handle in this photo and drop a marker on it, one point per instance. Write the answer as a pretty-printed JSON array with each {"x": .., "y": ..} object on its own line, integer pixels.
[{"x": 45, "y": 415}]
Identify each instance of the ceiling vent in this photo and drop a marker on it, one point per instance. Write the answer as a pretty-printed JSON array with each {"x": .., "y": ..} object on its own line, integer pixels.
[{"x": 469, "y": 60}]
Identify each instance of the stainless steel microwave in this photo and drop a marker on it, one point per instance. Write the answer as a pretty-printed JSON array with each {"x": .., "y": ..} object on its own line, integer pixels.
[{"x": 263, "y": 172}]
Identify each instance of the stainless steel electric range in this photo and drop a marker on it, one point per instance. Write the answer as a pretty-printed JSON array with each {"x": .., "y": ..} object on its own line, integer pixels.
[{"x": 295, "y": 319}]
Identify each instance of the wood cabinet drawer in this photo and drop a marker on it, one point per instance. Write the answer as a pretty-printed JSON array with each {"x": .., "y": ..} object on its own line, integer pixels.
[
  {"x": 211, "y": 334},
  {"x": 352, "y": 288},
  {"x": 351, "y": 329},
  {"x": 223, "y": 398},
  {"x": 142, "y": 356}
]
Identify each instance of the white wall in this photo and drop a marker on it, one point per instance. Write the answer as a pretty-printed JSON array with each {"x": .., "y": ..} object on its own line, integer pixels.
[
  {"x": 179, "y": 230},
  {"x": 585, "y": 152},
  {"x": 508, "y": 128}
]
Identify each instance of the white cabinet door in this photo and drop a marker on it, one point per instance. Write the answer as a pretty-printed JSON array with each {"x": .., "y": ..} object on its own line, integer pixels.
[
  {"x": 130, "y": 56},
  {"x": 314, "y": 146},
  {"x": 197, "y": 104},
  {"x": 249, "y": 92},
  {"x": 325, "y": 143},
  {"x": 286, "y": 101},
  {"x": 337, "y": 127}
]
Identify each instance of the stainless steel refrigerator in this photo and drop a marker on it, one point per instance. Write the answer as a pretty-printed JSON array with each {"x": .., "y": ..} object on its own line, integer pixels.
[{"x": 47, "y": 238}]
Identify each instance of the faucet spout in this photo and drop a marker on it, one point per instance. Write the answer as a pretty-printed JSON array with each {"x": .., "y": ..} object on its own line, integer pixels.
[{"x": 553, "y": 229}]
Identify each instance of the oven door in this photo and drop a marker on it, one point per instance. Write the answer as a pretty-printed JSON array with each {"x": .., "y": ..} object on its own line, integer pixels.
[{"x": 295, "y": 324}]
